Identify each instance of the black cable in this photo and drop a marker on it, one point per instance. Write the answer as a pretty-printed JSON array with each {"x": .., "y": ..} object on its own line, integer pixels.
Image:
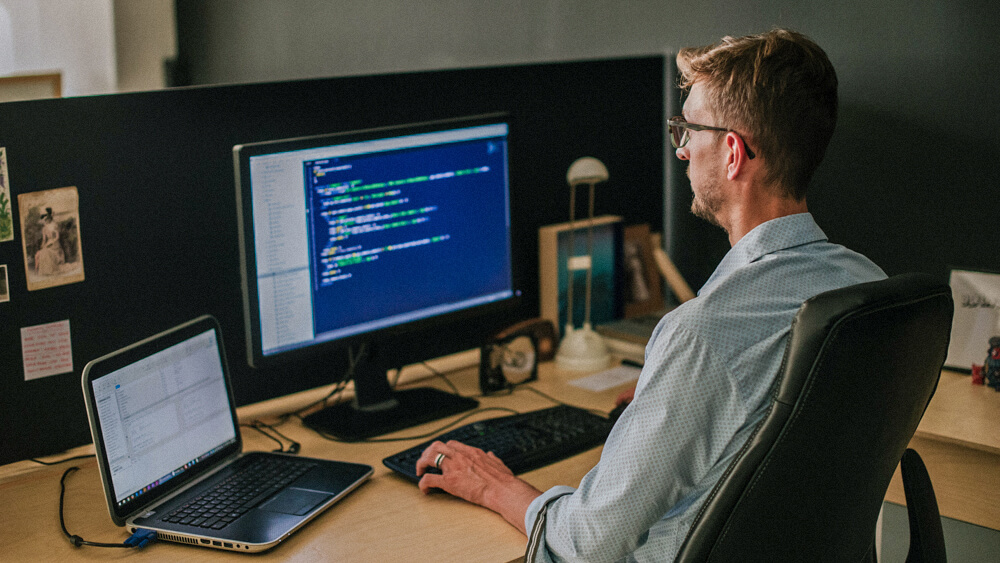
[
  {"x": 558, "y": 402},
  {"x": 338, "y": 385},
  {"x": 442, "y": 376},
  {"x": 74, "y": 539},
  {"x": 254, "y": 425},
  {"x": 337, "y": 388},
  {"x": 395, "y": 380},
  {"x": 546, "y": 395},
  {"x": 292, "y": 444},
  {"x": 259, "y": 426},
  {"x": 57, "y": 462},
  {"x": 424, "y": 436}
]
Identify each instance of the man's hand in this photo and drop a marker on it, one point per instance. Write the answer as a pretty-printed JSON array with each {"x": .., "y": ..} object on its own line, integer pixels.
[{"x": 478, "y": 477}]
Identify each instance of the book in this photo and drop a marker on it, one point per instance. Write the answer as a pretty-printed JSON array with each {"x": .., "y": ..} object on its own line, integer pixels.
[
  {"x": 626, "y": 350},
  {"x": 634, "y": 329},
  {"x": 641, "y": 287},
  {"x": 627, "y": 338},
  {"x": 554, "y": 273}
]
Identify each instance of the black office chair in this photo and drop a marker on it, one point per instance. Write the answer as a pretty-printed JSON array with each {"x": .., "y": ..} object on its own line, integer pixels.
[
  {"x": 861, "y": 365},
  {"x": 926, "y": 534}
]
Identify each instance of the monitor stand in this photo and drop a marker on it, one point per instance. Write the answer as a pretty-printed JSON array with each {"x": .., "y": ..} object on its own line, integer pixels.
[{"x": 378, "y": 409}]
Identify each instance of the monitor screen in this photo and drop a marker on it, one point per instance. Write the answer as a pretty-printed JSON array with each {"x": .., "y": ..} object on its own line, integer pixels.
[{"x": 363, "y": 236}]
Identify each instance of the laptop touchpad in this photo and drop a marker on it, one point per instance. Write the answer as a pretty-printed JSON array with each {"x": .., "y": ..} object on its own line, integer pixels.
[{"x": 295, "y": 501}]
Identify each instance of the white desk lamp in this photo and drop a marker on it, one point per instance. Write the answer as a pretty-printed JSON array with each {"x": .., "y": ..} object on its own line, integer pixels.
[{"x": 582, "y": 348}]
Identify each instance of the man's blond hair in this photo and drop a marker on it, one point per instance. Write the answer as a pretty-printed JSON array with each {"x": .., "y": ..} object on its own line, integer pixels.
[{"x": 778, "y": 90}]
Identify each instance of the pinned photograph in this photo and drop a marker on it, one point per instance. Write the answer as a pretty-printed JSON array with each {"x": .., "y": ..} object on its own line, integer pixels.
[
  {"x": 6, "y": 213},
  {"x": 50, "y": 235},
  {"x": 642, "y": 294},
  {"x": 4, "y": 286}
]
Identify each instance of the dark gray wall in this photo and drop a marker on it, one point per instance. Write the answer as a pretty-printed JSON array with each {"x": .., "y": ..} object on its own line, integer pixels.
[
  {"x": 158, "y": 220},
  {"x": 908, "y": 179}
]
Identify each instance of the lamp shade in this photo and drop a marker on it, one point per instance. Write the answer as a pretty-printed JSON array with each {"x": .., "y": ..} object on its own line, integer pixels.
[
  {"x": 586, "y": 170},
  {"x": 582, "y": 349}
]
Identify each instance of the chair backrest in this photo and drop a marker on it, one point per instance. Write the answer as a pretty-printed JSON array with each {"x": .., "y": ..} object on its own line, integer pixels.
[
  {"x": 861, "y": 365},
  {"x": 926, "y": 533}
]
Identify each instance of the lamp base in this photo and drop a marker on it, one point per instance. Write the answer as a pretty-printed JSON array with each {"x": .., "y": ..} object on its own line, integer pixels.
[{"x": 582, "y": 349}]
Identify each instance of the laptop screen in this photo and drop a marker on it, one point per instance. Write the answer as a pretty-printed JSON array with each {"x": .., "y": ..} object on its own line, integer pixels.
[{"x": 162, "y": 415}]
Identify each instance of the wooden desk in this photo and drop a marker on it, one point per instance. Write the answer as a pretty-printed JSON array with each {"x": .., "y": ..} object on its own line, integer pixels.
[
  {"x": 959, "y": 441},
  {"x": 386, "y": 519}
]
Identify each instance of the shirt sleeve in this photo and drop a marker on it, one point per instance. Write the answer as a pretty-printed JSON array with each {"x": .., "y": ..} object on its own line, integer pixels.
[
  {"x": 685, "y": 412},
  {"x": 540, "y": 501}
]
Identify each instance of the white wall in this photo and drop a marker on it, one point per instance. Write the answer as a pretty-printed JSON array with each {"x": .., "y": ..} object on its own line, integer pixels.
[
  {"x": 99, "y": 46},
  {"x": 145, "y": 37},
  {"x": 74, "y": 37}
]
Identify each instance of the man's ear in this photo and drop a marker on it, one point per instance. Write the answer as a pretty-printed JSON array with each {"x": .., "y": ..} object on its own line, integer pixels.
[{"x": 737, "y": 155}]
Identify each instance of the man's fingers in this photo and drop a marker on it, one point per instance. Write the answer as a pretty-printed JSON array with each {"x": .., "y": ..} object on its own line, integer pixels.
[
  {"x": 429, "y": 482},
  {"x": 429, "y": 456}
]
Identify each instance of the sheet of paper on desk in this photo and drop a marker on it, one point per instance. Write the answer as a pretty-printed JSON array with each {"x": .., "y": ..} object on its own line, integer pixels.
[{"x": 607, "y": 379}]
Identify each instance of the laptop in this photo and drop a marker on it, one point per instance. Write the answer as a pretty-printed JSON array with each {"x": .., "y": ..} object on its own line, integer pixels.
[{"x": 165, "y": 430}]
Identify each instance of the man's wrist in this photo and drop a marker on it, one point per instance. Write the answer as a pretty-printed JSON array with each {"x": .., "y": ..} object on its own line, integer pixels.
[{"x": 510, "y": 498}]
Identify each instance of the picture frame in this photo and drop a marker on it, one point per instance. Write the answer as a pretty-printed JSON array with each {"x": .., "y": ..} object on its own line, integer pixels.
[
  {"x": 555, "y": 275},
  {"x": 977, "y": 317},
  {"x": 38, "y": 86},
  {"x": 6, "y": 206},
  {"x": 4, "y": 284},
  {"x": 642, "y": 293}
]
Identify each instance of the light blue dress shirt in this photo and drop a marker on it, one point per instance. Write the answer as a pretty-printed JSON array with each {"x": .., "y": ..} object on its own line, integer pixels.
[{"x": 710, "y": 365}]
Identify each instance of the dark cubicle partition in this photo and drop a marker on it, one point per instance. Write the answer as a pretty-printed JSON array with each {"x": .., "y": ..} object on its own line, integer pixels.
[{"x": 157, "y": 215}]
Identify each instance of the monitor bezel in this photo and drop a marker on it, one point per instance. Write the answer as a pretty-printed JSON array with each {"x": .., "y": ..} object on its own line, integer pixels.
[{"x": 242, "y": 154}]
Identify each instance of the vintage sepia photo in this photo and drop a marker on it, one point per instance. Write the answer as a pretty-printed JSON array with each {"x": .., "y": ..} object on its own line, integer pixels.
[
  {"x": 4, "y": 285},
  {"x": 642, "y": 294},
  {"x": 6, "y": 209},
  {"x": 50, "y": 236}
]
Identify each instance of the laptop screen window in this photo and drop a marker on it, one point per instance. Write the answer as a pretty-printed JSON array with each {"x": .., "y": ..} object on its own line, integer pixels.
[{"x": 164, "y": 414}]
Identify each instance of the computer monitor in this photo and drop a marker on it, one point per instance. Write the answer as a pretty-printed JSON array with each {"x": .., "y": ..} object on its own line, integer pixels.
[{"x": 361, "y": 241}]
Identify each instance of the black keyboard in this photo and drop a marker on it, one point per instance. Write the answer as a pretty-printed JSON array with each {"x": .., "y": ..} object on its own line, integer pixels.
[
  {"x": 522, "y": 441},
  {"x": 240, "y": 492}
]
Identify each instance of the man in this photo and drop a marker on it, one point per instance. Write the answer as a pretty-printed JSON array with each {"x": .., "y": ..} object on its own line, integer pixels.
[{"x": 759, "y": 114}]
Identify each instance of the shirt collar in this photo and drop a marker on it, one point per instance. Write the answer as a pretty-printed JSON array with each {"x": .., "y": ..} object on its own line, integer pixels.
[{"x": 767, "y": 238}]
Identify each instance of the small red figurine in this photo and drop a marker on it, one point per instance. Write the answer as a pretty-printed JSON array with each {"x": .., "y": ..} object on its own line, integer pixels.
[
  {"x": 977, "y": 374},
  {"x": 992, "y": 366}
]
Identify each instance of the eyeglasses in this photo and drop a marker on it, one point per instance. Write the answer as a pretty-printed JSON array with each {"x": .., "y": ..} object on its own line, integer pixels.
[{"x": 680, "y": 132}]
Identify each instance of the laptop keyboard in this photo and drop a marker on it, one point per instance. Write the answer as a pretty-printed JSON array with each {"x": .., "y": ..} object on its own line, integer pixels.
[{"x": 240, "y": 492}]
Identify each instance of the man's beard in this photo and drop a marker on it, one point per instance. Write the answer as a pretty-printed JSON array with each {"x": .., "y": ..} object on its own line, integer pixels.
[{"x": 708, "y": 202}]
